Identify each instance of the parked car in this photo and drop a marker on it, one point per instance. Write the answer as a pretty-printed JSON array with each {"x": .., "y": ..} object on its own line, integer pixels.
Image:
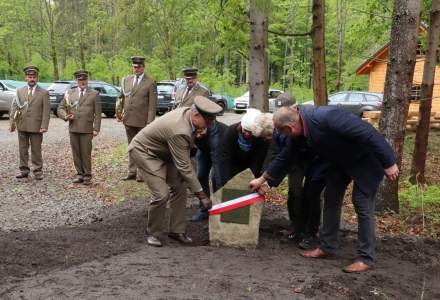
[
  {"x": 7, "y": 92},
  {"x": 108, "y": 94},
  {"x": 242, "y": 103},
  {"x": 217, "y": 98},
  {"x": 356, "y": 102},
  {"x": 165, "y": 96}
]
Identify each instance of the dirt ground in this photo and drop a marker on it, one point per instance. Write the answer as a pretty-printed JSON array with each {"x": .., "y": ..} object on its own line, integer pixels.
[{"x": 107, "y": 257}]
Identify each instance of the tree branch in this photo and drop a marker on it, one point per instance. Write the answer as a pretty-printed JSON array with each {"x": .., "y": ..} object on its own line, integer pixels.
[
  {"x": 290, "y": 34},
  {"x": 242, "y": 54}
]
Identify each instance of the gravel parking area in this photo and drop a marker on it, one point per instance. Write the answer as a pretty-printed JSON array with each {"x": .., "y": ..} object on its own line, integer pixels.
[{"x": 28, "y": 204}]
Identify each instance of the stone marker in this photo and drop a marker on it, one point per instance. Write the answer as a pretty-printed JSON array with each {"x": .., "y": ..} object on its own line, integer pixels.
[{"x": 240, "y": 227}]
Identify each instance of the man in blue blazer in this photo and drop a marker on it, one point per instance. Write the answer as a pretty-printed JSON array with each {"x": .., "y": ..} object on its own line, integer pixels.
[{"x": 355, "y": 152}]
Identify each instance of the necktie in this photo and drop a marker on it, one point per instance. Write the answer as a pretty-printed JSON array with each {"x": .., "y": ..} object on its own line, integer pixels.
[
  {"x": 81, "y": 94},
  {"x": 29, "y": 96},
  {"x": 188, "y": 89},
  {"x": 137, "y": 80}
]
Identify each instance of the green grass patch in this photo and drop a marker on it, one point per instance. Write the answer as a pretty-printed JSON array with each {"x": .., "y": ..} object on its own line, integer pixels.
[
  {"x": 421, "y": 204},
  {"x": 111, "y": 166}
]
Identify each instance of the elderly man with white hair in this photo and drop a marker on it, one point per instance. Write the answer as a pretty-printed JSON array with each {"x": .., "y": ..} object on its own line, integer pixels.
[{"x": 245, "y": 144}]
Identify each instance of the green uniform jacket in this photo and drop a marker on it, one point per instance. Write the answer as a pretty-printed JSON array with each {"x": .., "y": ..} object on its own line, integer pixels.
[
  {"x": 168, "y": 140},
  {"x": 188, "y": 100},
  {"x": 140, "y": 101},
  {"x": 87, "y": 111},
  {"x": 35, "y": 114}
]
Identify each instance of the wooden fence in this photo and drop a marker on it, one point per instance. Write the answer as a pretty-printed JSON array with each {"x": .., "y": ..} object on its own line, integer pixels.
[{"x": 373, "y": 118}]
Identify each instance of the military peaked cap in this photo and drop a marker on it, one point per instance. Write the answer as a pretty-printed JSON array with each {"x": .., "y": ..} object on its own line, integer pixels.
[
  {"x": 81, "y": 74},
  {"x": 206, "y": 107},
  {"x": 31, "y": 70},
  {"x": 137, "y": 60},
  {"x": 190, "y": 72}
]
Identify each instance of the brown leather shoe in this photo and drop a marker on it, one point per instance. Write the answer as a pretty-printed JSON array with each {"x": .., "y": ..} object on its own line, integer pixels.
[
  {"x": 77, "y": 180},
  {"x": 87, "y": 182},
  {"x": 129, "y": 177},
  {"x": 356, "y": 267},
  {"x": 38, "y": 176},
  {"x": 139, "y": 180},
  {"x": 22, "y": 175},
  {"x": 181, "y": 238},
  {"x": 316, "y": 253}
]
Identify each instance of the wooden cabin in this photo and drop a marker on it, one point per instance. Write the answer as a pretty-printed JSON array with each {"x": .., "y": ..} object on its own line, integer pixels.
[{"x": 376, "y": 68}]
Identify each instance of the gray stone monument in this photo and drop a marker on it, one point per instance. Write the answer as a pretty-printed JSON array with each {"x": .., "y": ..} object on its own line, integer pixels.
[{"x": 239, "y": 227}]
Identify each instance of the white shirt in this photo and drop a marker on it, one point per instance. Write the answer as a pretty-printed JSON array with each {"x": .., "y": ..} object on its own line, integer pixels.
[
  {"x": 139, "y": 79},
  {"x": 79, "y": 91}
]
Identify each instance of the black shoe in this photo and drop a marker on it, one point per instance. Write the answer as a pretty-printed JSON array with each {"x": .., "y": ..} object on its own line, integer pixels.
[
  {"x": 87, "y": 182},
  {"x": 139, "y": 180},
  {"x": 181, "y": 238},
  {"x": 22, "y": 175},
  {"x": 38, "y": 176},
  {"x": 78, "y": 180},
  {"x": 153, "y": 241},
  {"x": 200, "y": 215},
  {"x": 129, "y": 177}
]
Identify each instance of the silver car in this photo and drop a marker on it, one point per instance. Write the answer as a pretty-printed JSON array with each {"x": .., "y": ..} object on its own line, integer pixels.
[{"x": 7, "y": 93}]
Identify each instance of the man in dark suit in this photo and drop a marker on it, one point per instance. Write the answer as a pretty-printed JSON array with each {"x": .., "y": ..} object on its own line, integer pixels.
[{"x": 355, "y": 151}]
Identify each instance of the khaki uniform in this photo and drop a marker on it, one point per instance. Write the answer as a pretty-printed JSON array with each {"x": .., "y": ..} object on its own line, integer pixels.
[
  {"x": 87, "y": 119},
  {"x": 161, "y": 152},
  {"x": 35, "y": 115},
  {"x": 139, "y": 108},
  {"x": 185, "y": 98}
]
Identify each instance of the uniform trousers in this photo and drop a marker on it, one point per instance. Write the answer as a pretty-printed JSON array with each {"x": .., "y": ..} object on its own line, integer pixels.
[{"x": 34, "y": 140}]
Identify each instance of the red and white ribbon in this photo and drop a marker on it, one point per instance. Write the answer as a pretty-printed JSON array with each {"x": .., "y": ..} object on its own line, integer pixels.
[{"x": 235, "y": 203}]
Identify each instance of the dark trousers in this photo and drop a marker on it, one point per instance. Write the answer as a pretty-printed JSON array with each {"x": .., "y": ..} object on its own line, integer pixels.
[
  {"x": 208, "y": 158},
  {"x": 310, "y": 219},
  {"x": 131, "y": 133},
  {"x": 295, "y": 194},
  {"x": 336, "y": 184},
  {"x": 34, "y": 140}
]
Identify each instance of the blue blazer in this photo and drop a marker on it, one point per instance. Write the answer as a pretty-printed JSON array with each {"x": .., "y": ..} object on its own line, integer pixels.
[{"x": 349, "y": 144}]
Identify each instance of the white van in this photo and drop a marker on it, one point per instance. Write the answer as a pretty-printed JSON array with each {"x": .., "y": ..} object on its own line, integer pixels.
[{"x": 242, "y": 103}]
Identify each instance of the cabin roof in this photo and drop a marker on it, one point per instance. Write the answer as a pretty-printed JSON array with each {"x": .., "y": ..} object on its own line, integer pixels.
[{"x": 380, "y": 55}]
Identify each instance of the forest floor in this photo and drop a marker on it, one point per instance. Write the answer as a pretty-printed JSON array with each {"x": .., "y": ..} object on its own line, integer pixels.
[{"x": 60, "y": 241}]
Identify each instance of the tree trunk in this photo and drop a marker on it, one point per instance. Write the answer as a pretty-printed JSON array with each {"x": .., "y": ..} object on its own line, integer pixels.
[
  {"x": 318, "y": 42},
  {"x": 399, "y": 76},
  {"x": 340, "y": 34},
  {"x": 422, "y": 133},
  {"x": 258, "y": 61}
]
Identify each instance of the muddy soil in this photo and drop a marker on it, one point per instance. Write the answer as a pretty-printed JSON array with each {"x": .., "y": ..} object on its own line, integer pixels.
[{"x": 110, "y": 259}]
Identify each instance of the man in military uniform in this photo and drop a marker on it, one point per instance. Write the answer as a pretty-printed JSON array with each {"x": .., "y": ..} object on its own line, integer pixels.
[
  {"x": 30, "y": 113},
  {"x": 81, "y": 106},
  {"x": 162, "y": 153},
  {"x": 185, "y": 95},
  {"x": 140, "y": 99},
  {"x": 187, "y": 91}
]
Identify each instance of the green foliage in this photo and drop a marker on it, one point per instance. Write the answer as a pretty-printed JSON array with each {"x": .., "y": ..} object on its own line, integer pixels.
[{"x": 173, "y": 34}]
